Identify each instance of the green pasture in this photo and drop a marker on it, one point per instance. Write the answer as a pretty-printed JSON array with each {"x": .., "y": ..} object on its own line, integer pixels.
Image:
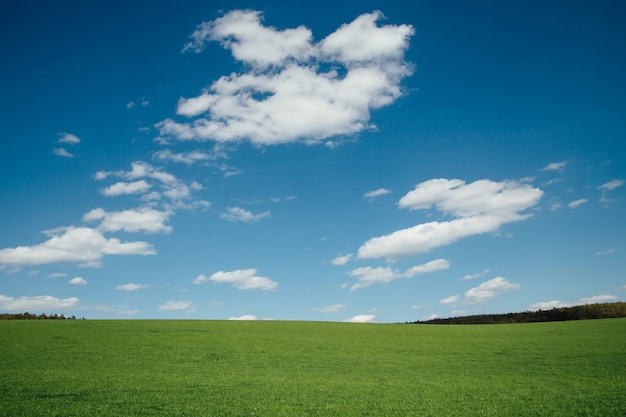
[{"x": 273, "y": 368}]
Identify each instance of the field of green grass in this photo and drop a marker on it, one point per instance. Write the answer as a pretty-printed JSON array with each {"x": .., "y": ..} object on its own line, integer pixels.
[{"x": 274, "y": 368}]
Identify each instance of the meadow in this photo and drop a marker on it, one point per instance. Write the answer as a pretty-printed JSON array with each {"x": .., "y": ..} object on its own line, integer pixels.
[{"x": 279, "y": 368}]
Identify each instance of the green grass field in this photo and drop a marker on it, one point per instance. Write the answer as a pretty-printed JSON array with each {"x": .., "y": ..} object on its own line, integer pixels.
[{"x": 215, "y": 368}]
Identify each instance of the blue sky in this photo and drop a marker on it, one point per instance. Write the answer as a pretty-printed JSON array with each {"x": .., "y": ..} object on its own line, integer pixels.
[{"x": 383, "y": 162}]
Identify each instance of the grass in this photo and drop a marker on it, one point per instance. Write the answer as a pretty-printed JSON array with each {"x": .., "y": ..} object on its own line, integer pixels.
[{"x": 214, "y": 368}]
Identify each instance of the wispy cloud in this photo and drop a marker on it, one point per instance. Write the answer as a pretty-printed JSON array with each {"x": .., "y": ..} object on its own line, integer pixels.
[
  {"x": 62, "y": 152},
  {"x": 342, "y": 260},
  {"x": 475, "y": 275},
  {"x": 334, "y": 308},
  {"x": 175, "y": 305},
  {"x": 288, "y": 93},
  {"x": 548, "y": 305},
  {"x": 577, "y": 203},
  {"x": 376, "y": 193},
  {"x": 479, "y": 207},
  {"x": 555, "y": 166},
  {"x": 238, "y": 214},
  {"x": 38, "y": 303},
  {"x": 489, "y": 290},
  {"x": 68, "y": 139},
  {"x": 131, "y": 287}
]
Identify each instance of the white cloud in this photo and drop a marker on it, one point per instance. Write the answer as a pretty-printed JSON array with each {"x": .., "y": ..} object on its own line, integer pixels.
[
  {"x": 57, "y": 275},
  {"x": 289, "y": 94},
  {"x": 190, "y": 157},
  {"x": 548, "y": 305},
  {"x": 475, "y": 275},
  {"x": 244, "y": 317},
  {"x": 361, "y": 318},
  {"x": 376, "y": 193},
  {"x": 450, "y": 300},
  {"x": 342, "y": 260},
  {"x": 242, "y": 279},
  {"x": 131, "y": 287},
  {"x": 37, "y": 303},
  {"x": 62, "y": 152},
  {"x": 489, "y": 290},
  {"x": 125, "y": 188},
  {"x": 577, "y": 203},
  {"x": 611, "y": 185},
  {"x": 368, "y": 276},
  {"x": 605, "y": 252},
  {"x": 175, "y": 305},
  {"x": 143, "y": 219},
  {"x": 238, "y": 214},
  {"x": 71, "y": 244},
  {"x": 554, "y": 166},
  {"x": 78, "y": 281},
  {"x": 479, "y": 207},
  {"x": 69, "y": 139},
  {"x": 334, "y": 308}
]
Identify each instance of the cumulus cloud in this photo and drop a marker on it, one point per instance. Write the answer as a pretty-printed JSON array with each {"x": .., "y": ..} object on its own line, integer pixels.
[
  {"x": 478, "y": 207},
  {"x": 125, "y": 188},
  {"x": 367, "y": 276},
  {"x": 143, "y": 219},
  {"x": 548, "y": 305},
  {"x": 131, "y": 287},
  {"x": 361, "y": 318},
  {"x": 175, "y": 305},
  {"x": 71, "y": 244},
  {"x": 293, "y": 89},
  {"x": 178, "y": 193},
  {"x": 489, "y": 290},
  {"x": 376, "y": 193},
  {"x": 238, "y": 214},
  {"x": 242, "y": 279},
  {"x": 78, "y": 281},
  {"x": 37, "y": 303}
]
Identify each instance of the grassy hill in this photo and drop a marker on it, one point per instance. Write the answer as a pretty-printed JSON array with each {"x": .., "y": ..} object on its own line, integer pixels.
[{"x": 283, "y": 369}]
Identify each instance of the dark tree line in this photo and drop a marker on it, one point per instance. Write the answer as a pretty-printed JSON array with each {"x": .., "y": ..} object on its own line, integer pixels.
[
  {"x": 29, "y": 316},
  {"x": 583, "y": 312}
]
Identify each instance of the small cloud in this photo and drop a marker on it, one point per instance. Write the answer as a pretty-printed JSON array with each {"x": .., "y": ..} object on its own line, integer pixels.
[
  {"x": 450, "y": 300},
  {"x": 418, "y": 306},
  {"x": 62, "y": 152},
  {"x": 244, "y": 317},
  {"x": 131, "y": 287},
  {"x": 57, "y": 275},
  {"x": 69, "y": 139},
  {"x": 334, "y": 308},
  {"x": 605, "y": 252},
  {"x": 548, "y": 305},
  {"x": 361, "y": 318},
  {"x": 489, "y": 290},
  {"x": 430, "y": 317},
  {"x": 238, "y": 214},
  {"x": 78, "y": 281},
  {"x": 611, "y": 185},
  {"x": 342, "y": 260},
  {"x": 242, "y": 279},
  {"x": 376, "y": 193},
  {"x": 475, "y": 275},
  {"x": 577, "y": 203},
  {"x": 369, "y": 276},
  {"x": 175, "y": 305},
  {"x": 554, "y": 166},
  {"x": 126, "y": 188}
]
